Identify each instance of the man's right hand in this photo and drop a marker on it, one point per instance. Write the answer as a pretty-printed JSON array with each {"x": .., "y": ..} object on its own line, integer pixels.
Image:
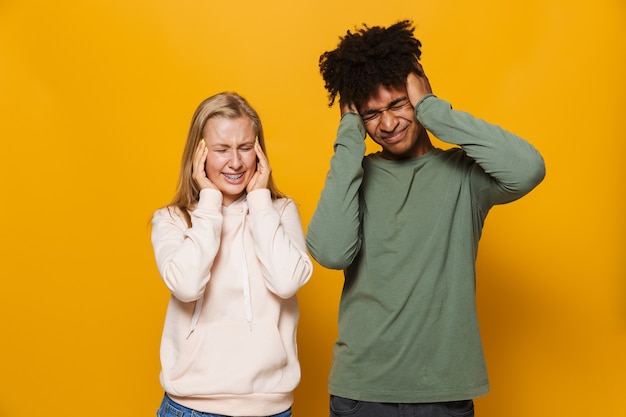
[{"x": 347, "y": 108}]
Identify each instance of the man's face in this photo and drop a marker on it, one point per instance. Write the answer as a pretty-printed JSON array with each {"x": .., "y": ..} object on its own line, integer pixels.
[{"x": 390, "y": 121}]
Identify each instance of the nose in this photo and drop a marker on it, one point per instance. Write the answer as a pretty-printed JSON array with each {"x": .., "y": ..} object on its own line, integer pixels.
[
  {"x": 234, "y": 162},
  {"x": 388, "y": 121}
]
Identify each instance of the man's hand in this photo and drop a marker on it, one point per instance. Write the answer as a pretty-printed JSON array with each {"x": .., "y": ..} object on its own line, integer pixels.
[
  {"x": 417, "y": 85},
  {"x": 347, "y": 107}
]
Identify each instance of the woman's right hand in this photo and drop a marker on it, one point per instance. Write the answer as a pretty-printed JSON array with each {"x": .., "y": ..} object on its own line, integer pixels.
[{"x": 198, "y": 168}]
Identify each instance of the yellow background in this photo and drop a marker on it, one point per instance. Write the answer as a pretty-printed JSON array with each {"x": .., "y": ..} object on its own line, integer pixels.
[{"x": 95, "y": 102}]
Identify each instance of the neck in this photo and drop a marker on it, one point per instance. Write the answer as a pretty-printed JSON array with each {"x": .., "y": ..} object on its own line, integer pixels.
[{"x": 424, "y": 145}]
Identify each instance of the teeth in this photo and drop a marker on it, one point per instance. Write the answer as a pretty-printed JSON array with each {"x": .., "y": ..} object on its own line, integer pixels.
[{"x": 233, "y": 177}]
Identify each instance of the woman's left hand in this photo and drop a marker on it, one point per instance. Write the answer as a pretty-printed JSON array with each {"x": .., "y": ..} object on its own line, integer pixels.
[{"x": 261, "y": 177}]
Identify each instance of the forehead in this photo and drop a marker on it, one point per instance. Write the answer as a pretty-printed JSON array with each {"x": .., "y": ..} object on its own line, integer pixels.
[
  {"x": 383, "y": 96},
  {"x": 224, "y": 129}
]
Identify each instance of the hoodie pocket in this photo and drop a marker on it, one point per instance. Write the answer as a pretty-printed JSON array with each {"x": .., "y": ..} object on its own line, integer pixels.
[{"x": 229, "y": 358}]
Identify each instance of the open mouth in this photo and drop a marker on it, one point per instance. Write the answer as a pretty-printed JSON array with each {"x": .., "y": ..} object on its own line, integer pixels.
[{"x": 233, "y": 177}]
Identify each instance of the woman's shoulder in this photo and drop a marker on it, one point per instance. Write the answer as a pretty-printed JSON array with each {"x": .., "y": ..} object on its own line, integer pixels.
[
  {"x": 169, "y": 213},
  {"x": 281, "y": 203}
]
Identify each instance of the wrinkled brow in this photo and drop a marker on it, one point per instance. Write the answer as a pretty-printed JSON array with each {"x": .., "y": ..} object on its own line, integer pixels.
[{"x": 393, "y": 103}]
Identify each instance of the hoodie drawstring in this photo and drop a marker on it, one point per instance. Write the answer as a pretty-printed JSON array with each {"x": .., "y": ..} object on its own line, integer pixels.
[
  {"x": 245, "y": 282},
  {"x": 245, "y": 276}
]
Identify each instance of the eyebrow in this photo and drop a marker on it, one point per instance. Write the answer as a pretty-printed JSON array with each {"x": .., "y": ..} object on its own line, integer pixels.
[
  {"x": 390, "y": 105},
  {"x": 227, "y": 144}
]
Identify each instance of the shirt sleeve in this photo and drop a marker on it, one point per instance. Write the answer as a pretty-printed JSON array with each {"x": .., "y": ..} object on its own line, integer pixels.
[
  {"x": 508, "y": 167},
  {"x": 334, "y": 232},
  {"x": 279, "y": 243},
  {"x": 184, "y": 255}
]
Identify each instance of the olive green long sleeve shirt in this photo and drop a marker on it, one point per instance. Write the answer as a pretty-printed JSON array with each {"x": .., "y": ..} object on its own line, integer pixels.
[{"x": 406, "y": 235}]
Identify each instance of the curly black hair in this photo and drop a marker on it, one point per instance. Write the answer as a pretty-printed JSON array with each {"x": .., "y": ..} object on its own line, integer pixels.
[{"x": 368, "y": 58}]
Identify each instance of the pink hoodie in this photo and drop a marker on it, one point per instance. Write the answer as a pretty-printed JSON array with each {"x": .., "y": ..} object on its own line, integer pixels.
[{"x": 229, "y": 339}]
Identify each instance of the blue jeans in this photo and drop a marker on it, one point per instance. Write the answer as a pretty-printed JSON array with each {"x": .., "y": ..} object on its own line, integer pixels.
[
  {"x": 344, "y": 407},
  {"x": 171, "y": 408}
]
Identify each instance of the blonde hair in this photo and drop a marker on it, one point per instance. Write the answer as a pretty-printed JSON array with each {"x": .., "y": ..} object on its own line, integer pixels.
[{"x": 228, "y": 105}]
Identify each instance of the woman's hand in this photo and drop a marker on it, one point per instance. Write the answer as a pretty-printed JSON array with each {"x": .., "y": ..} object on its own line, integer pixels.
[
  {"x": 261, "y": 177},
  {"x": 198, "y": 167}
]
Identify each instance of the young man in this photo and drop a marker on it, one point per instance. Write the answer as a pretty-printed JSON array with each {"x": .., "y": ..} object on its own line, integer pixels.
[{"x": 404, "y": 225}]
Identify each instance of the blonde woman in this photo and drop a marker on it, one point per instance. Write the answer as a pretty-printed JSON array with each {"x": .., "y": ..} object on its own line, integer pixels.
[{"x": 231, "y": 250}]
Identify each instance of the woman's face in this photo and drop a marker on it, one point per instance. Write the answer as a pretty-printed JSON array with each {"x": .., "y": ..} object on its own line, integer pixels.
[{"x": 231, "y": 160}]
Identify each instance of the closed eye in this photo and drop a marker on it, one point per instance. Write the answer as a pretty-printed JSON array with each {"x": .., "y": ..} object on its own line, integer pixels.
[
  {"x": 396, "y": 105},
  {"x": 369, "y": 116},
  {"x": 399, "y": 105}
]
